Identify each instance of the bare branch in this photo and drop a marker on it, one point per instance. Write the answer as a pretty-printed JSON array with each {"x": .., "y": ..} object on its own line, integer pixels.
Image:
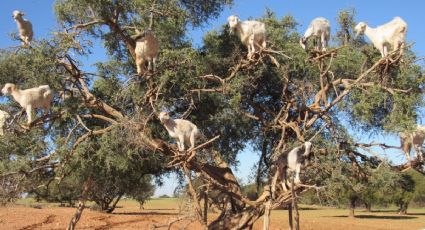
[{"x": 85, "y": 25}]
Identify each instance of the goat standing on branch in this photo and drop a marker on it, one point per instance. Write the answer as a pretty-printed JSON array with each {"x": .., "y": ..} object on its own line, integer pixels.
[
  {"x": 320, "y": 30},
  {"x": 390, "y": 35},
  {"x": 182, "y": 130},
  {"x": 251, "y": 33},
  {"x": 292, "y": 161},
  {"x": 24, "y": 27},
  {"x": 147, "y": 48},
  {"x": 29, "y": 99},
  {"x": 415, "y": 138}
]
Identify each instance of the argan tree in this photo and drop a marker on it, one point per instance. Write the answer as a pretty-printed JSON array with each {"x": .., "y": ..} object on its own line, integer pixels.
[{"x": 279, "y": 99}]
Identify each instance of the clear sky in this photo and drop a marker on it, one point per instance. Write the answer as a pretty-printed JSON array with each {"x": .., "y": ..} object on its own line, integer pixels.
[{"x": 373, "y": 12}]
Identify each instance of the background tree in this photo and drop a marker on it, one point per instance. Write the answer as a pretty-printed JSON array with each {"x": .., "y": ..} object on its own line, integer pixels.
[
  {"x": 419, "y": 193},
  {"x": 143, "y": 193},
  {"x": 382, "y": 185},
  {"x": 404, "y": 193}
]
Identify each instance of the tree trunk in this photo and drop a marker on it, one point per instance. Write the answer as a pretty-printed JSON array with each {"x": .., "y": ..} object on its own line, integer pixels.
[
  {"x": 368, "y": 206},
  {"x": 205, "y": 197},
  {"x": 104, "y": 205},
  {"x": 290, "y": 218},
  {"x": 352, "y": 207},
  {"x": 295, "y": 205},
  {"x": 238, "y": 221},
  {"x": 81, "y": 205},
  {"x": 402, "y": 210},
  {"x": 114, "y": 205},
  {"x": 260, "y": 167},
  {"x": 266, "y": 222},
  {"x": 192, "y": 192}
]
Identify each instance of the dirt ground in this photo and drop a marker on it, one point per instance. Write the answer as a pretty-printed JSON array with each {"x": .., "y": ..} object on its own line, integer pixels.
[{"x": 162, "y": 211}]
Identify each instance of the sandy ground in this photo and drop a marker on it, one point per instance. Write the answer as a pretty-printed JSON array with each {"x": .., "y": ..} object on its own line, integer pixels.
[
  {"x": 130, "y": 217},
  {"x": 57, "y": 218}
]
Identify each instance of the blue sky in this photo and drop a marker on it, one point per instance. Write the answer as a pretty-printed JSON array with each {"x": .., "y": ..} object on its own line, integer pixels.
[{"x": 374, "y": 12}]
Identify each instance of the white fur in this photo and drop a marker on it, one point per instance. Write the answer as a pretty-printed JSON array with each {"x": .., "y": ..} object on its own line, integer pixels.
[
  {"x": 147, "y": 48},
  {"x": 415, "y": 138},
  {"x": 24, "y": 27},
  {"x": 29, "y": 99},
  {"x": 251, "y": 33},
  {"x": 3, "y": 117},
  {"x": 320, "y": 30},
  {"x": 387, "y": 36},
  {"x": 292, "y": 161},
  {"x": 184, "y": 131}
]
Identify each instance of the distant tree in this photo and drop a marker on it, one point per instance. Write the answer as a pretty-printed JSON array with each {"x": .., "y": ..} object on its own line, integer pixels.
[
  {"x": 67, "y": 191},
  {"x": 344, "y": 186},
  {"x": 143, "y": 193},
  {"x": 10, "y": 189},
  {"x": 346, "y": 22},
  {"x": 404, "y": 193},
  {"x": 250, "y": 191},
  {"x": 117, "y": 168},
  {"x": 419, "y": 191},
  {"x": 381, "y": 186}
]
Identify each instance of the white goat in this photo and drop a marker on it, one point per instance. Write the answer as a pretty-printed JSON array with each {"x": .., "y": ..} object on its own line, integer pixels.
[
  {"x": 3, "y": 117},
  {"x": 390, "y": 35},
  {"x": 183, "y": 131},
  {"x": 293, "y": 161},
  {"x": 251, "y": 33},
  {"x": 147, "y": 48},
  {"x": 415, "y": 138},
  {"x": 29, "y": 99},
  {"x": 24, "y": 27},
  {"x": 320, "y": 30}
]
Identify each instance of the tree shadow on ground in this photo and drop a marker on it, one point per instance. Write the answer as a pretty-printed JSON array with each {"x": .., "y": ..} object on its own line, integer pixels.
[
  {"x": 386, "y": 210},
  {"x": 159, "y": 209},
  {"x": 299, "y": 208},
  {"x": 416, "y": 214},
  {"x": 308, "y": 208},
  {"x": 380, "y": 217},
  {"x": 395, "y": 212},
  {"x": 145, "y": 213}
]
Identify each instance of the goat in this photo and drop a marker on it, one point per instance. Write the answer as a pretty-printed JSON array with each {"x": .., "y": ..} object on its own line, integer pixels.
[
  {"x": 3, "y": 117},
  {"x": 292, "y": 160},
  {"x": 147, "y": 48},
  {"x": 29, "y": 99},
  {"x": 384, "y": 37},
  {"x": 182, "y": 130},
  {"x": 251, "y": 33},
  {"x": 320, "y": 30},
  {"x": 24, "y": 27},
  {"x": 415, "y": 138}
]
